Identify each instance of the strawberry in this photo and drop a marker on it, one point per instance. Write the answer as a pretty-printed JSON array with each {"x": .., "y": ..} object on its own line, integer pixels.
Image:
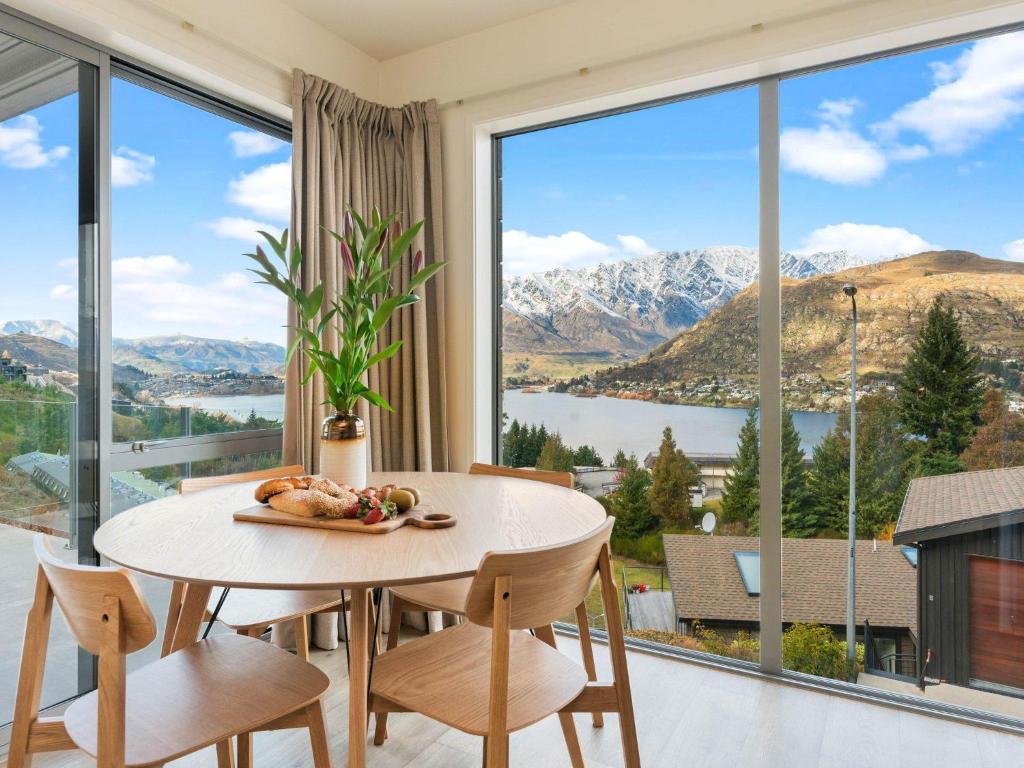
[{"x": 375, "y": 515}]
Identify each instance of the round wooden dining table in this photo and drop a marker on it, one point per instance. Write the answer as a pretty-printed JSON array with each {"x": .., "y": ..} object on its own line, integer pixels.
[{"x": 194, "y": 541}]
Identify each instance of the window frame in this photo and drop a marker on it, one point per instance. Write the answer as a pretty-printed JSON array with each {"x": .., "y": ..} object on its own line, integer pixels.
[{"x": 769, "y": 370}]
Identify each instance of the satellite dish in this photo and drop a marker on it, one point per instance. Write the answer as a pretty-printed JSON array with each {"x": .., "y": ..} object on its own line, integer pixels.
[{"x": 708, "y": 522}]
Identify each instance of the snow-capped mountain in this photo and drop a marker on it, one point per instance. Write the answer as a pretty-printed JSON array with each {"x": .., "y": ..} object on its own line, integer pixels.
[
  {"x": 631, "y": 305},
  {"x": 54, "y": 330}
]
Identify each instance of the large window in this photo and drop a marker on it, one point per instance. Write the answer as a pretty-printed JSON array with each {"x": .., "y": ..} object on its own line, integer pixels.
[
  {"x": 905, "y": 172},
  {"x": 628, "y": 263},
  {"x": 194, "y": 360},
  {"x": 629, "y": 341}
]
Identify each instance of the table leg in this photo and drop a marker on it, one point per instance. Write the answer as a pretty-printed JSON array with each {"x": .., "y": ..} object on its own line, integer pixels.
[
  {"x": 173, "y": 612},
  {"x": 358, "y": 675},
  {"x": 193, "y": 608}
]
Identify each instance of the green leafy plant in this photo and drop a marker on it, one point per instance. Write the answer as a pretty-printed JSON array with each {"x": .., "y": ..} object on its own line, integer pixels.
[{"x": 369, "y": 252}]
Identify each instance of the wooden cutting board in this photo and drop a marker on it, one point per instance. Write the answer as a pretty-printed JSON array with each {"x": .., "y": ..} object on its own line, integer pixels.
[{"x": 422, "y": 516}]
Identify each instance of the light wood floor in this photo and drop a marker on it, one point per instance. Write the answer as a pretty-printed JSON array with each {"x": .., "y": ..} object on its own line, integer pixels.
[{"x": 687, "y": 715}]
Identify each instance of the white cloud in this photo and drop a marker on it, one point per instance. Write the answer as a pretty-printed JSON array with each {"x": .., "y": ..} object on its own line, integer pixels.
[
  {"x": 871, "y": 242},
  {"x": 837, "y": 155},
  {"x": 1014, "y": 250},
  {"x": 228, "y": 306},
  {"x": 63, "y": 292},
  {"x": 975, "y": 95},
  {"x": 253, "y": 143},
  {"x": 20, "y": 145},
  {"x": 265, "y": 191},
  {"x": 523, "y": 253},
  {"x": 633, "y": 245},
  {"x": 149, "y": 268},
  {"x": 238, "y": 228},
  {"x": 129, "y": 167},
  {"x": 838, "y": 111}
]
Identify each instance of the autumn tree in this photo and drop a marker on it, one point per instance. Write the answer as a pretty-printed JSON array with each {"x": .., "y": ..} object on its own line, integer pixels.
[{"x": 999, "y": 442}]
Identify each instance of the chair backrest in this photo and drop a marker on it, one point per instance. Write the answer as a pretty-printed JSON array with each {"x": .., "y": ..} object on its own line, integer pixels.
[
  {"x": 545, "y": 584},
  {"x": 190, "y": 484},
  {"x": 564, "y": 479},
  {"x": 82, "y": 591}
]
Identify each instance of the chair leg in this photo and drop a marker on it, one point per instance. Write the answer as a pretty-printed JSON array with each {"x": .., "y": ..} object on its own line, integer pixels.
[
  {"x": 496, "y": 752},
  {"x": 301, "y": 638},
  {"x": 572, "y": 742},
  {"x": 587, "y": 651},
  {"x": 30, "y": 677},
  {"x": 225, "y": 754},
  {"x": 245, "y": 750},
  {"x": 620, "y": 670},
  {"x": 318, "y": 735},
  {"x": 380, "y": 732}
]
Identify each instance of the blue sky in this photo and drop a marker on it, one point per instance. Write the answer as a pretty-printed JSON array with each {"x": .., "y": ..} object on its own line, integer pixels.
[
  {"x": 883, "y": 158},
  {"x": 190, "y": 188}
]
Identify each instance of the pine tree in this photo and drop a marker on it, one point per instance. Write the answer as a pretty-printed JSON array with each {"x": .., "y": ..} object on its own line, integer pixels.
[
  {"x": 555, "y": 456},
  {"x": 940, "y": 391},
  {"x": 798, "y": 517},
  {"x": 620, "y": 459},
  {"x": 885, "y": 457},
  {"x": 629, "y": 503},
  {"x": 740, "y": 498},
  {"x": 512, "y": 445},
  {"x": 671, "y": 478},
  {"x": 587, "y": 456}
]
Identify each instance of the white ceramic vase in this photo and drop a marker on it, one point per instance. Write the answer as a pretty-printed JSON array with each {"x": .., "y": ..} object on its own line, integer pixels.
[{"x": 343, "y": 447}]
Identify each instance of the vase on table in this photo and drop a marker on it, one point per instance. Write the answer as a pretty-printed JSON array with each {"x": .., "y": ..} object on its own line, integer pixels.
[{"x": 343, "y": 448}]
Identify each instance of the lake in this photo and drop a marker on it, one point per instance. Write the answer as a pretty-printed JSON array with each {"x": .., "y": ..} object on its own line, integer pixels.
[
  {"x": 236, "y": 406},
  {"x": 607, "y": 423},
  {"x": 635, "y": 426}
]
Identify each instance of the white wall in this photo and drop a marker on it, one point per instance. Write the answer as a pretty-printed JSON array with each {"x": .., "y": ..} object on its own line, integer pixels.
[
  {"x": 512, "y": 75},
  {"x": 244, "y": 49}
]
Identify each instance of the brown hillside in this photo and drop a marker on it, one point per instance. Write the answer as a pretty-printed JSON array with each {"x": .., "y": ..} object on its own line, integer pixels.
[{"x": 892, "y": 300}]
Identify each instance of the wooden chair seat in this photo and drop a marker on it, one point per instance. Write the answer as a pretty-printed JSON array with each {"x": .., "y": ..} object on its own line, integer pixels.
[
  {"x": 446, "y": 676},
  {"x": 246, "y": 609},
  {"x": 201, "y": 695},
  {"x": 446, "y": 596}
]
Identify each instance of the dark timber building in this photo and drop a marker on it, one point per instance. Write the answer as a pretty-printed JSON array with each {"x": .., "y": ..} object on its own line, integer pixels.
[{"x": 969, "y": 531}]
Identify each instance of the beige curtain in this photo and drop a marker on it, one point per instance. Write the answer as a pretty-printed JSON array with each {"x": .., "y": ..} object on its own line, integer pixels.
[{"x": 347, "y": 151}]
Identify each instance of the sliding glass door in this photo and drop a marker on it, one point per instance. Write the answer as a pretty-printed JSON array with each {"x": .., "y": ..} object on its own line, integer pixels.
[
  {"x": 49, "y": 441},
  {"x": 135, "y": 350}
]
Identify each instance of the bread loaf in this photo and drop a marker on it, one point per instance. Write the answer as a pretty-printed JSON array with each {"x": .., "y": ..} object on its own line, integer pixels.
[{"x": 294, "y": 502}]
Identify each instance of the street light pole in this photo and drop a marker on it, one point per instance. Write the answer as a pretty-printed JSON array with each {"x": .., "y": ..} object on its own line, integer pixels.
[{"x": 851, "y": 576}]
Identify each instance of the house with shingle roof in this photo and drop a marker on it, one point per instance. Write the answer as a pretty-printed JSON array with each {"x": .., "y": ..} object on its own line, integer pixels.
[
  {"x": 968, "y": 530},
  {"x": 716, "y": 582}
]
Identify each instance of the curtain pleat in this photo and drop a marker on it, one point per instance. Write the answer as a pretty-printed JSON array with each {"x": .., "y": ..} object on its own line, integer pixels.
[{"x": 348, "y": 151}]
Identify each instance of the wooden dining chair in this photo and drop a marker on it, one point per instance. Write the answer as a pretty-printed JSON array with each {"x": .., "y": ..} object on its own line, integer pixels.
[
  {"x": 489, "y": 677},
  {"x": 450, "y": 596},
  {"x": 252, "y": 611},
  {"x": 200, "y": 696}
]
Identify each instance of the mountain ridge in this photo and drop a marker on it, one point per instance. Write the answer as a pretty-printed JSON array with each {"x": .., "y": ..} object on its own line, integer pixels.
[
  {"x": 892, "y": 300},
  {"x": 628, "y": 306}
]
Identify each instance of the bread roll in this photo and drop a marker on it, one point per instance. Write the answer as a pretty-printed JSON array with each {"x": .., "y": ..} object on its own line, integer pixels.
[
  {"x": 271, "y": 488},
  {"x": 294, "y": 502}
]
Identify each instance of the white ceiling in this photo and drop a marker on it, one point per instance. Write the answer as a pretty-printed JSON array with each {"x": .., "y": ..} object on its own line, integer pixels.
[{"x": 388, "y": 28}]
